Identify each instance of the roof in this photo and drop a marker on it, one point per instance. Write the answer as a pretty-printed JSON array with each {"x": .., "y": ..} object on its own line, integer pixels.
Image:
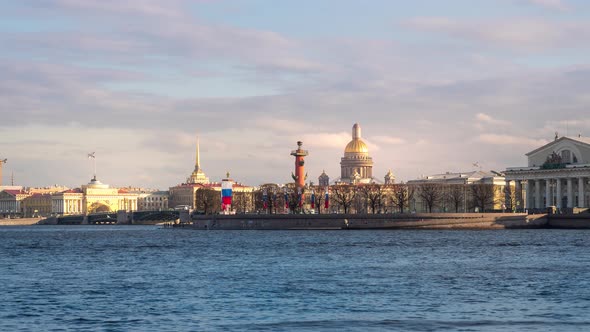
[
  {"x": 14, "y": 192},
  {"x": 72, "y": 191},
  {"x": 583, "y": 140}
]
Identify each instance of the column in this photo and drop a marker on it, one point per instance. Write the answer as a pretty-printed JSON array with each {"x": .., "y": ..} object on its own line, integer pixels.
[
  {"x": 528, "y": 187},
  {"x": 558, "y": 194},
  {"x": 570, "y": 193},
  {"x": 518, "y": 194},
  {"x": 581, "y": 198},
  {"x": 548, "y": 200},
  {"x": 538, "y": 194},
  {"x": 507, "y": 199}
]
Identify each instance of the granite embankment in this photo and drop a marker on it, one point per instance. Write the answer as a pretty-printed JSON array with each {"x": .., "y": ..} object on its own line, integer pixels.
[
  {"x": 19, "y": 222},
  {"x": 371, "y": 221}
]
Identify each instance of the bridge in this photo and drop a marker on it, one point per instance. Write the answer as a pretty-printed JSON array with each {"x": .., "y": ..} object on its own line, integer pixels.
[{"x": 120, "y": 217}]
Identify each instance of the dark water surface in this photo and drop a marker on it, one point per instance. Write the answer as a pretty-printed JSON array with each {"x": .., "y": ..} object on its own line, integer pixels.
[{"x": 143, "y": 278}]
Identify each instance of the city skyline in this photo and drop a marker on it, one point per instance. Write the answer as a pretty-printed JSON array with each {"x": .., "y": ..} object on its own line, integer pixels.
[{"x": 436, "y": 86}]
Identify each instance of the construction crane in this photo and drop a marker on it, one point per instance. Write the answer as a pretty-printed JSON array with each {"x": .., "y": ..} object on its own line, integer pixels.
[{"x": 2, "y": 162}]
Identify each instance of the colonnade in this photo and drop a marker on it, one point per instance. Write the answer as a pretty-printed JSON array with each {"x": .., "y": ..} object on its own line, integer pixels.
[{"x": 561, "y": 192}]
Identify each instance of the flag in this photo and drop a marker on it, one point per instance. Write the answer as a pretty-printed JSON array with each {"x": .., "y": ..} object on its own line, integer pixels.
[
  {"x": 313, "y": 199},
  {"x": 327, "y": 200},
  {"x": 226, "y": 195},
  {"x": 286, "y": 200}
]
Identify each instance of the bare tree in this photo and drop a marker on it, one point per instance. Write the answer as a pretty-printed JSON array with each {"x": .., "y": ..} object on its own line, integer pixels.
[
  {"x": 272, "y": 196},
  {"x": 344, "y": 195},
  {"x": 320, "y": 198},
  {"x": 372, "y": 195},
  {"x": 483, "y": 195},
  {"x": 510, "y": 198},
  {"x": 242, "y": 201},
  {"x": 207, "y": 200},
  {"x": 456, "y": 195},
  {"x": 430, "y": 194},
  {"x": 401, "y": 194}
]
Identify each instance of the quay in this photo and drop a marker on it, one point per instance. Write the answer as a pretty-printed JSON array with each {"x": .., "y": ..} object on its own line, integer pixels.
[{"x": 385, "y": 221}]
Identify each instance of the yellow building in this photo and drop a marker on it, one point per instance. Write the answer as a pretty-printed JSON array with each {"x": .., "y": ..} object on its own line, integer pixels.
[
  {"x": 36, "y": 205},
  {"x": 91, "y": 198}
]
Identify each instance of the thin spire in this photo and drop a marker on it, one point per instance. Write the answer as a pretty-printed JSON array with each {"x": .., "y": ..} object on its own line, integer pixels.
[{"x": 198, "y": 158}]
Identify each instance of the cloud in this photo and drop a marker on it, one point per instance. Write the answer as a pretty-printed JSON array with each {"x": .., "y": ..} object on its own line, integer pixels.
[
  {"x": 560, "y": 5},
  {"x": 391, "y": 140},
  {"x": 510, "y": 140},
  {"x": 519, "y": 34},
  {"x": 486, "y": 119}
]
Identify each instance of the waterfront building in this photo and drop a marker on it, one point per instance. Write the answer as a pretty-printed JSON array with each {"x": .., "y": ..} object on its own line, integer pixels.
[
  {"x": 91, "y": 198},
  {"x": 458, "y": 192},
  {"x": 37, "y": 205},
  {"x": 10, "y": 202},
  {"x": 556, "y": 174},
  {"x": 152, "y": 200},
  {"x": 23, "y": 201},
  {"x": 356, "y": 166}
]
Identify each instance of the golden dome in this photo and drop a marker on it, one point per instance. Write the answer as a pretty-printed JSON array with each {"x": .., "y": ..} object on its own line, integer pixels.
[{"x": 356, "y": 146}]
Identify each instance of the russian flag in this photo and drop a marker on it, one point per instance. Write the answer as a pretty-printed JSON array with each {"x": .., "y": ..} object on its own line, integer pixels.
[
  {"x": 313, "y": 199},
  {"x": 327, "y": 200}
]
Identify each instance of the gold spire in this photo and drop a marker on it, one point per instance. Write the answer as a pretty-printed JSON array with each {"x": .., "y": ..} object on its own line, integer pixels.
[{"x": 198, "y": 158}]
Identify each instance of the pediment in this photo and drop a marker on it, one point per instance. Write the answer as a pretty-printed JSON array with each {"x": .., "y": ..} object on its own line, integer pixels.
[{"x": 562, "y": 151}]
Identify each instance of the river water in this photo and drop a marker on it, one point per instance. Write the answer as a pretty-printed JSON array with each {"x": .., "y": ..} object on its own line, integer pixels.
[{"x": 144, "y": 278}]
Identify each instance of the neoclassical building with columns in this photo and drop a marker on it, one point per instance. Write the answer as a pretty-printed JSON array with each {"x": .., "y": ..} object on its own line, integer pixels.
[{"x": 557, "y": 174}]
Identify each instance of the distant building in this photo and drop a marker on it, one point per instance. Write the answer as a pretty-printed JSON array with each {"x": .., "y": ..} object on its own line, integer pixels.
[
  {"x": 389, "y": 178},
  {"x": 152, "y": 200},
  {"x": 356, "y": 166},
  {"x": 557, "y": 175},
  {"x": 20, "y": 201},
  {"x": 36, "y": 205},
  {"x": 91, "y": 198},
  {"x": 195, "y": 193},
  {"x": 10, "y": 202},
  {"x": 458, "y": 192},
  {"x": 324, "y": 179}
]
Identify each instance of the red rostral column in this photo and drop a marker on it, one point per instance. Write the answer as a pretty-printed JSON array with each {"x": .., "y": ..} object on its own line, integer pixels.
[{"x": 299, "y": 175}]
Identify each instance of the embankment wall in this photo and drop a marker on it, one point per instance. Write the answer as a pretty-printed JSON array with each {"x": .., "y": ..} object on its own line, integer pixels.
[{"x": 372, "y": 221}]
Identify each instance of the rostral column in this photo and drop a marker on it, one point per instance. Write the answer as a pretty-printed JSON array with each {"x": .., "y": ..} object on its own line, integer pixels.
[{"x": 299, "y": 175}]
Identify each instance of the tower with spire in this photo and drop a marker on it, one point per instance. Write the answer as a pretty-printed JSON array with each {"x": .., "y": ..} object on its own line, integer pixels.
[{"x": 198, "y": 176}]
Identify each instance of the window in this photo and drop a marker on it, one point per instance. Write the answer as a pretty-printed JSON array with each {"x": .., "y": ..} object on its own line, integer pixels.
[{"x": 574, "y": 158}]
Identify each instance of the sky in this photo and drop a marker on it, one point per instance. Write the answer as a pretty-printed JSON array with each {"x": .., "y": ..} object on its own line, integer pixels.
[{"x": 435, "y": 85}]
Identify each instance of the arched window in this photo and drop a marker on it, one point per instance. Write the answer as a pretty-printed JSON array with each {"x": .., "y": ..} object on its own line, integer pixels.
[{"x": 566, "y": 156}]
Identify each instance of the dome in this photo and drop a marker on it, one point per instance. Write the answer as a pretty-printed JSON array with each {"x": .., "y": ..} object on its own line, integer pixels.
[{"x": 356, "y": 146}]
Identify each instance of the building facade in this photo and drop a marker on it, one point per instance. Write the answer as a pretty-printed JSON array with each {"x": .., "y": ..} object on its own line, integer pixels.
[
  {"x": 93, "y": 197},
  {"x": 37, "y": 205},
  {"x": 152, "y": 200},
  {"x": 10, "y": 202},
  {"x": 557, "y": 175},
  {"x": 458, "y": 192}
]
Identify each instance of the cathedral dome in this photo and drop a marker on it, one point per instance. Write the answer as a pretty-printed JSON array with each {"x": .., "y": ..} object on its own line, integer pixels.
[{"x": 356, "y": 146}]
